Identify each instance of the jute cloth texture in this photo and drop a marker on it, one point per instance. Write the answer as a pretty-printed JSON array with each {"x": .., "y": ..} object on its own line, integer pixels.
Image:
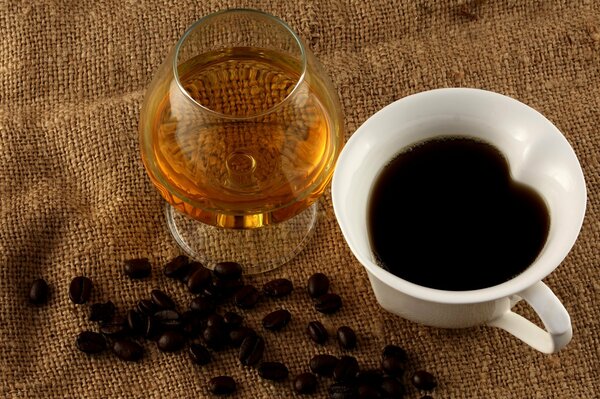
[{"x": 75, "y": 200}]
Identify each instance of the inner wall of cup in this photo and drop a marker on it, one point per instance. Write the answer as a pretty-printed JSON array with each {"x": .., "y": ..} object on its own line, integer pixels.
[
  {"x": 520, "y": 149},
  {"x": 232, "y": 29}
]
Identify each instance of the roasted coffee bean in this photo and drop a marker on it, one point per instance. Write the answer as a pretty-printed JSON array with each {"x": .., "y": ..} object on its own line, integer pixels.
[
  {"x": 346, "y": 369},
  {"x": 147, "y": 307},
  {"x": 368, "y": 392},
  {"x": 115, "y": 328},
  {"x": 317, "y": 332},
  {"x": 136, "y": 322},
  {"x": 192, "y": 267},
  {"x": 328, "y": 303},
  {"x": 169, "y": 319},
  {"x": 274, "y": 371},
  {"x": 423, "y": 380},
  {"x": 370, "y": 377},
  {"x": 318, "y": 284},
  {"x": 38, "y": 293},
  {"x": 127, "y": 350},
  {"x": 228, "y": 270},
  {"x": 171, "y": 341},
  {"x": 215, "y": 320},
  {"x": 199, "y": 354},
  {"x": 210, "y": 291},
  {"x": 203, "y": 306},
  {"x": 80, "y": 290},
  {"x": 90, "y": 342},
  {"x": 198, "y": 280},
  {"x": 223, "y": 385},
  {"x": 305, "y": 383},
  {"x": 394, "y": 351},
  {"x": 177, "y": 267},
  {"x": 392, "y": 388},
  {"x": 162, "y": 300},
  {"x": 342, "y": 391},
  {"x": 238, "y": 334},
  {"x": 153, "y": 328},
  {"x": 346, "y": 337},
  {"x": 276, "y": 320},
  {"x": 323, "y": 365},
  {"x": 137, "y": 268},
  {"x": 251, "y": 350},
  {"x": 216, "y": 337},
  {"x": 233, "y": 319},
  {"x": 278, "y": 288},
  {"x": 192, "y": 324},
  {"x": 246, "y": 297},
  {"x": 392, "y": 366},
  {"x": 102, "y": 311},
  {"x": 227, "y": 288}
]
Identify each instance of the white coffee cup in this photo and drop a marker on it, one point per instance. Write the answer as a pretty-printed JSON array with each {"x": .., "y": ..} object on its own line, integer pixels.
[{"x": 538, "y": 156}]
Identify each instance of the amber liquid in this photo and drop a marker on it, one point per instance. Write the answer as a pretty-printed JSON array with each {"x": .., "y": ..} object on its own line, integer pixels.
[{"x": 253, "y": 149}]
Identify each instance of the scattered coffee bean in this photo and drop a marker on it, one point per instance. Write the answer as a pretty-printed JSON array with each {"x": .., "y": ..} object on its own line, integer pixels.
[
  {"x": 424, "y": 380},
  {"x": 177, "y": 267},
  {"x": 90, "y": 342},
  {"x": 317, "y": 332},
  {"x": 102, "y": 311},
  {"x": 147, "y": 307},
  {"x": 223, "y": 385},
  {"x": 153, "y": 328},
  {"x": 392, "y": 366},
  {"x": 233, "y": 319},
  {"x": 137, "y": 268},
  {"x": 191, "y": 268},
  {"x": 136, "y": 322},
  {"x": 246, "y": 297},
  {"x": 198, "y": 280},
  {"x": 115, "y": 328},
  {"x": 199, "y": 354},
  {"x": 346, "y": 337},
  {"x": 278, "y": 288},
  {"x": 305, "y": 383},
  {"x": 276, "y": 320},
  {"x": 227, "y": 288},
  {"x": 323, "y": 365},
  {"x": 343, "y": 391},
  {"x": 216, "y": 337},
  {"x": 192, "y": 323},
  {"x": 80, "y": 290},
  {"x": 228, "y": 270},
  {"x": 274, "y": 371},
  {"x": 318, "y": 284},
  {"x": 215, "y": 320},
  {"x": 169, "y": 319},
  {"x": 368, "y": 392},
  {"x": 127, "y": 350},
  {"x": 162, "y": 300},
  {"x": 392, "y": 388},
  {"x": 171, "y": 341},
  {"x": 251, "y": 350},
  {"x": 38, "y": 293},
  {"x": 328, "y": 303},
  {"x": 214, "y": 293},
  {"x": 203, "y": 306},
  {"x": 238, "y": 334},
  {"x": 346, "y": 369},
  {"x": 370, "y": 377},
  {"x": 395, "y": 351}
]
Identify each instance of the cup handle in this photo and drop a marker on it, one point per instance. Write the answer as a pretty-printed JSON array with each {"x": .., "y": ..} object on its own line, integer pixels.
[{"x": 551, "y": 311}]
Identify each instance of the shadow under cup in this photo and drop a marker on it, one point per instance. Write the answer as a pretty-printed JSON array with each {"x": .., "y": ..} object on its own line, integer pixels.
[{"x": 538, "y": 156}]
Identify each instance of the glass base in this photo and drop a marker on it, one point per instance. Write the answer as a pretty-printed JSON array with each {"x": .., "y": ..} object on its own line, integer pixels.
[{"x": 257, "y": 250}]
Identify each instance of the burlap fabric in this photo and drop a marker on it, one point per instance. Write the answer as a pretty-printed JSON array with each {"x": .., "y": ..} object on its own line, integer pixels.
[{"x": 74, "y": 198}]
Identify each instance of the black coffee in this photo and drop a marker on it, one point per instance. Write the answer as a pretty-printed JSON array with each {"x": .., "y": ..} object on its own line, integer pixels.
[{"x": 446, "y": 214}]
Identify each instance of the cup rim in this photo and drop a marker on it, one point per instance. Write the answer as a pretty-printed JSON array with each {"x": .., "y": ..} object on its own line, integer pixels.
[
  {"x": 201, "y": 21},
  {"x": 510, "y": 287}
]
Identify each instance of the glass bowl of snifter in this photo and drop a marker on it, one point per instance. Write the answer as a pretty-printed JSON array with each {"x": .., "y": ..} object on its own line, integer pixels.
[{"x": 240, "y": 131}]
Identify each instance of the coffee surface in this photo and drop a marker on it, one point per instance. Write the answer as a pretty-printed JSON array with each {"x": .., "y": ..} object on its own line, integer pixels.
[{"x": 446, "y": 214}]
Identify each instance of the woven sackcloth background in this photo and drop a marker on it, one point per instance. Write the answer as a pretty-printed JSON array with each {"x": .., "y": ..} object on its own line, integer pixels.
[{"x": 74, "y": 197}]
